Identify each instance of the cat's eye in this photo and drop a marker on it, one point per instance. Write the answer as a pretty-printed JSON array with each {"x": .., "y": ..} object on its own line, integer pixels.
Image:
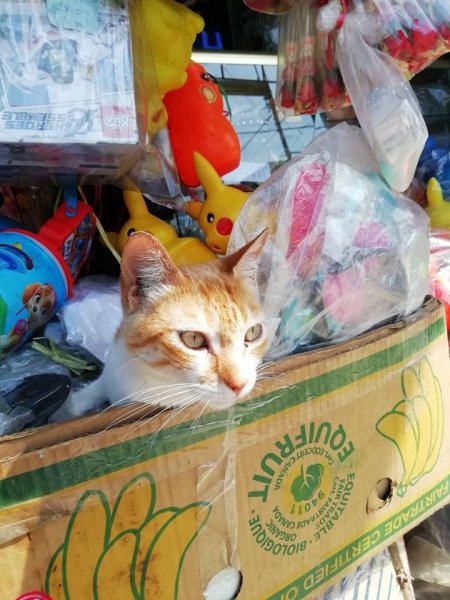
[
  {"x": 253, "y": 333},
  {"x": 193, "y": 339}
]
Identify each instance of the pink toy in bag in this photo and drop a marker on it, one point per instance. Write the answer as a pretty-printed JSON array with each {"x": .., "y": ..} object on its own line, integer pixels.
[{"x": 345, "y": 253}]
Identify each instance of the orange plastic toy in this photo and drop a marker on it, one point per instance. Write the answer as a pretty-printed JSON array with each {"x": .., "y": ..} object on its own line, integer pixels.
[
  {"x": 218, "y": 213},
  {"x": 196, "y": 123}
]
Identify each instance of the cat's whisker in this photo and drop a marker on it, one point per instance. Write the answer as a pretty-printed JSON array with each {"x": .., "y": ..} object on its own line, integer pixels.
[
  {"x": 265, "y": 365},
  {"x": 173, "y": 414},
  {"x": 162, "y": 389},
  {"x": 130, "y": 401},
  {"x": 126, "y": 415},
  {"x": 197, "y": 418},
  {"x": 142, "y": 401}
]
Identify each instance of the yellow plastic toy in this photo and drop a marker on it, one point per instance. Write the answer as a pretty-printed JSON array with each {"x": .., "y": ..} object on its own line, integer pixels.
[
  {"x": 171, "y": 29},
  {"x": 438, "y": 209},
  {"x": 182, "y": 250},
  {"x": 218, "y": 213}
]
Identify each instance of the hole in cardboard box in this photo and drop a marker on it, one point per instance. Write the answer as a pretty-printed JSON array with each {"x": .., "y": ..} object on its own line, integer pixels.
[
  {"x": 225, "y": 585},
  {"x": 381, "y": 494}
]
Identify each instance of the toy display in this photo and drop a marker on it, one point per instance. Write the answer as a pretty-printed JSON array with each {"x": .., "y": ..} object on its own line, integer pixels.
[
  {"x": 37, "y": 271},
  {"x": 413, "y": 33},
  {"x": 438, "y": 209},
  {"x": 68, "y": 84},
  {"x": 68, "y": 104},
  {"x": 308, "y": 80},
  {"x": 186, "y": 250},
  {"x": 171, "y": 29},
  {"x": 345, "y": 253},
  {"x": 385, "y": 104},
  {"x": 218, "y": 213},
  {"x": 196, "y": 123}
]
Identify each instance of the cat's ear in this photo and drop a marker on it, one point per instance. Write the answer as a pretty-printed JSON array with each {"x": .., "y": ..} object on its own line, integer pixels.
[
  {"x": 244, "y": 262},
  {"x": 145, "y": 268}
]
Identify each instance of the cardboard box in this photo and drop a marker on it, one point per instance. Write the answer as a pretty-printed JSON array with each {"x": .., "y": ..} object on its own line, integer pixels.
[
  {"x": 383, "y": 577},
  {"x": 330, "y": 461}
]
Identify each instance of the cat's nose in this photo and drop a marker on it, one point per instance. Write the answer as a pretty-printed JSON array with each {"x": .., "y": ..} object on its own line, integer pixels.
[{"x": 235, "y": 386}]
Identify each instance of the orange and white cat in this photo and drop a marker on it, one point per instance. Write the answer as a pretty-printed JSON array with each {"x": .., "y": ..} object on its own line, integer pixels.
[{"x": 191, "y": 334}]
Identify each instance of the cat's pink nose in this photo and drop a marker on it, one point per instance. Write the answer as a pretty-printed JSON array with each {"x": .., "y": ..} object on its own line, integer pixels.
[{"x": 235, "y": 386}]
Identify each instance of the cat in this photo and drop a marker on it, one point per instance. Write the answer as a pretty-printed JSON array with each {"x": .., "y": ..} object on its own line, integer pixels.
[{"x": 190, "y": 334}]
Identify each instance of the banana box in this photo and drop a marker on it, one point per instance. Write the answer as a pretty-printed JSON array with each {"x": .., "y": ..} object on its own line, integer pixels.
[{"x": 336, "y": 455}]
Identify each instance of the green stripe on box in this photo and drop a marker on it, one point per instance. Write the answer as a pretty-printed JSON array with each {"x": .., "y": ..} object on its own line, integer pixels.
[
  {"x": 365, "y": 543},
  {"x": 74, "y": 471}
]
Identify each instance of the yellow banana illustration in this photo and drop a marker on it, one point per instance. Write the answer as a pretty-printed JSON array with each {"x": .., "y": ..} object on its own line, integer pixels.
[
  {"x": 147, "y": 534},
  {"x": 434, "y": 396},
  {"x": 54, "y": 583},
  {"x": 131, "y": 553},
  {"x": 134, "y": 505},
  {"x": 166, "y": 554},
  {"x": 398, "y": 428},
  {"x": 115, "y": 567},
  {"x": 85, "y": 541},
  {"x": 415, "y": 424},
  {"x": 406, "y": 408}
]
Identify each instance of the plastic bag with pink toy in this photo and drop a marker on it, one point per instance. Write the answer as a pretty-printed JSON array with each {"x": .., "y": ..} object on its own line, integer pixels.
[{"x": 345, "y": 253}]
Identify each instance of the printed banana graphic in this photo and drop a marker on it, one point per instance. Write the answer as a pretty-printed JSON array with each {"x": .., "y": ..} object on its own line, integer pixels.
[
  {"x": 84, "y": 543},
  {"x": 415, "y": 424},
  {"x": 132, "y": 552},
  {"x": 114, "y": 568},
  {"x": 165, "y": 557}
]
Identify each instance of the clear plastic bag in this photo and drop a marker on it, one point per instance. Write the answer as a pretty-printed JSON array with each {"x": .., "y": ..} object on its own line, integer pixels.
[
  {"x": 415, "y": 33},
  {"x": 344, "y": 254},
  {"x": 32, "y": 386},
  {"x": 73, "y": 95},
  {"x": 307, "y": 78},
  {"x": 384, "y": 103},
  {"x": 91, "y": 317}
]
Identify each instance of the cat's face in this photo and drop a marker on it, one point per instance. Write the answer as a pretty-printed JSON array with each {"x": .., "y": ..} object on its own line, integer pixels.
[{"x": 201, "y": 325}]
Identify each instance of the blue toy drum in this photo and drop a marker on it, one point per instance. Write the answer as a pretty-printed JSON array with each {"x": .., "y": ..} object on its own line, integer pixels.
[{"x": 34, "y": 282}]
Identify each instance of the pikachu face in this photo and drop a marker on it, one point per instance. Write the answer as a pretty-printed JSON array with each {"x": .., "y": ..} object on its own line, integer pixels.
[{"x": 218, "y": 213}]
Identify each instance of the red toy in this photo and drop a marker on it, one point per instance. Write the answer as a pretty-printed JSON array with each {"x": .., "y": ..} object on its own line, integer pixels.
[
  {"x": 70, "y": 232},
  {"x": 196, "y": 123}
]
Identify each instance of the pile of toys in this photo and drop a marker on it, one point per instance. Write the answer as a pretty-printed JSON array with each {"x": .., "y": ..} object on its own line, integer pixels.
[
  {"x": 412, "y": 33},
  {"x": 324, "y": 277}
]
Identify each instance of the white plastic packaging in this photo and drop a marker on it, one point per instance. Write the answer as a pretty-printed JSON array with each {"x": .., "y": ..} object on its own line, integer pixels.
[{"x": 385, "y": 104}]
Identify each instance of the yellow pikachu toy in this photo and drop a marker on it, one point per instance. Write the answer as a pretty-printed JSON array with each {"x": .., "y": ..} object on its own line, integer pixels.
[
  {"x": 218, "y": 213},
  {"x": 182, "y": 250},
  {"x": 171, "y": 29},
  {"x": 438, "y": 209}
]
